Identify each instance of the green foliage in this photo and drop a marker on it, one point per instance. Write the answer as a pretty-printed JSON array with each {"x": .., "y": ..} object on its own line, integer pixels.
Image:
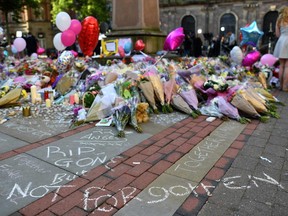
[{"x": 79, "y": 9}]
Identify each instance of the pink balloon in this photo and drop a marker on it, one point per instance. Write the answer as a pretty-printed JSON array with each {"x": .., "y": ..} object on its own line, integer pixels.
[
  {"x": 19, "y": 44},
  {"x": 121, "y": 51},
  {"x": 174, "y": 39},
  {"x": 251, "y": 58},
  {"x": 40, "y": 50},
  {"x": 68, "y": 37},
  {"x": 75, "y": 26},
  {"x": 268, "y": 59}
]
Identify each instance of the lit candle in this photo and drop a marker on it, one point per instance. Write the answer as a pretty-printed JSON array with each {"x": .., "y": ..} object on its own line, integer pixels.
[
  {"x": 76, "y": 98},
  {"x": 48, "y": 102},
  {"x": 33, "y": 90}
]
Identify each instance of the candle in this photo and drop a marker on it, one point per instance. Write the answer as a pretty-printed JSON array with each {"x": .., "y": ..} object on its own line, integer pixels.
[
  {"x": 26, "y": 111},
  {"x": 33, "y": 90},
  {"x": 38, "y": 98},
  {"x": 48, "y": 102},
  {"x": 72, "y": 99},
  {"x": 76, "y": 98}
]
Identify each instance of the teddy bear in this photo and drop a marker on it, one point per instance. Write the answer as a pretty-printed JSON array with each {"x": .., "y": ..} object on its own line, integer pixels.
[{"x": 142, "y": 115}]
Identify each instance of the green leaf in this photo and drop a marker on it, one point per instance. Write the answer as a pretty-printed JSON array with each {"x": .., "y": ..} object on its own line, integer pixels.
[{"x": 126, "y": 94}]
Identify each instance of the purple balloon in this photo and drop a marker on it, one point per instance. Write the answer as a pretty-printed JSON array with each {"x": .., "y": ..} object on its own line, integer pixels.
[
  {"x": 251, "y": 58},
  {"x": 174, "y": 39}
]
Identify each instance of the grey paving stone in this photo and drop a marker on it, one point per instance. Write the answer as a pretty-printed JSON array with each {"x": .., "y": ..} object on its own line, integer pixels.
[
  {"x": 261, "y": 134},
  {"x": 276, "y": 140},
  {"x": 34, "y": 129},
  {"x": 166, "y": 191},
  {"x": 236, "y": 179},
  {"x": 279, "y": 151},
  {"x": 281, "y": 197},
  {"x": 257, "y": 141},
  {"x": 263, "y": 171},
  {"x": 250, "y": 207},
  {"x": 265, "y": 127},
  {"x": 226, "y": 198},
  {"x": 8, "y": 143},
  {"x": 212, "y": 209},
  {"x": 279, "y": 210},
  {"x": 25, "y": 179},
  {"x": 245, "y": 162},
  {"x": 264, "y": 193},
  {"x": 252, "y": 151},
  {"x": 271, "y": 161}
]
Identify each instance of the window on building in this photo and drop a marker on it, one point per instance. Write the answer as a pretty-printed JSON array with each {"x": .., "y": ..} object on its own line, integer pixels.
[
  {"x": 269, "y": 23},
  {"x": 188, "y": 24},
  {"x": 227, "y": 24}
]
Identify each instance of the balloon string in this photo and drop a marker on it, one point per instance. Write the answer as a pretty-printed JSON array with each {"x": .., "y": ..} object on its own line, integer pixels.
[{"x": 160, "y": 59}]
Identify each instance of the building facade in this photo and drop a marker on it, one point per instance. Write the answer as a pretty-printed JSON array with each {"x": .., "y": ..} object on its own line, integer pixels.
[
  {"x": 40, "y": 26},
  {"x": 210, "y": 18},
  {"x": 206, "y": 18}
]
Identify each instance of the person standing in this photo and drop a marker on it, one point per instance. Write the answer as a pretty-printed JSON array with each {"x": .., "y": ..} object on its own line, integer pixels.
[
  {"x": 31, "y": 44},
  {"x": 281, "y": 47}
]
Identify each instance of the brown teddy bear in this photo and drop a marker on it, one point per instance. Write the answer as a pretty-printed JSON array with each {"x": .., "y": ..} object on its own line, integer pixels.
[{"x": 142, "y": 112}]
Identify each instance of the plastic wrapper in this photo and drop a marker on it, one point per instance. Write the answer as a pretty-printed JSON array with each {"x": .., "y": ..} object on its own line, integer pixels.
[
  {"x": 179, "y": 103},
  {"x": 132, "y": 103},
  {"x": 121, "y": 116},
  {"x": 211, "y": 110},
  {"x": 153, "y": 77},
  {"x": 242, "y": 104},
  {"x": 148, "y": 91},
  {"x": 190, "y": 97}
]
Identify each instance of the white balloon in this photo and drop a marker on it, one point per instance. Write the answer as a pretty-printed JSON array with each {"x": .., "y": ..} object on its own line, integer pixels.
[
  {"x": 236, "y": 55},
  {"x": 58, "y": 43},
  {"x": 63, "y": 21}
]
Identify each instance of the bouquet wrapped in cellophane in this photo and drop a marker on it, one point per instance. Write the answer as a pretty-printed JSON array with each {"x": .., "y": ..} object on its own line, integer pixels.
[
  {"x": 154, "y": 78},
  {"x": 121, "y": 116},
  {"x": 132, "y": 103}
]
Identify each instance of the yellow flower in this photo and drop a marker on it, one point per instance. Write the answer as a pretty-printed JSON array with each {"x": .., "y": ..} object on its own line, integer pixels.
[{"x": 24, "y": 93}]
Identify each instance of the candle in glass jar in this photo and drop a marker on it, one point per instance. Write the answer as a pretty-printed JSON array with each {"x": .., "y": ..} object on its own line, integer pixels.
[{"x": 33, "y": 90}]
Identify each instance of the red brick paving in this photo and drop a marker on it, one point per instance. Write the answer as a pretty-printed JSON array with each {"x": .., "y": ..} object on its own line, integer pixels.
[{"x": 152, "y": 156}]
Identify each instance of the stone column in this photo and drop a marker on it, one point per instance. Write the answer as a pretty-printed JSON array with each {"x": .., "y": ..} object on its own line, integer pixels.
[{"x": 138, "y": 19}]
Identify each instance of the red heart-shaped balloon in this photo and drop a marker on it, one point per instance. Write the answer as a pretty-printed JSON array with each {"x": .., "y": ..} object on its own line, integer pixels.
[
  {"x": 139, "y": 45},
  {"x": 88, "y": 37}
]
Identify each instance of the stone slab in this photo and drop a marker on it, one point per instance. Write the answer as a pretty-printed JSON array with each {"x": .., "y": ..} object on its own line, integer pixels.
[
  {"x": 195, "y": 164},
  {"x": 34, "y": 129},
  {"x": 8, "y": 143},
  {"x": 25, "y": 179},
  {"x": 167, "y": 191}
]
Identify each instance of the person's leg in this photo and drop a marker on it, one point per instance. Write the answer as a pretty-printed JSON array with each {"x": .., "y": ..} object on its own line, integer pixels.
[
  {"x": 280, "y": 75},
  {"x": 285, "y": 75}
]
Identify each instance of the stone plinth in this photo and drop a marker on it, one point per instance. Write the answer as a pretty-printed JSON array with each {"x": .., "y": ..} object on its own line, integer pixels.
[{"x": 138, "y": 19}]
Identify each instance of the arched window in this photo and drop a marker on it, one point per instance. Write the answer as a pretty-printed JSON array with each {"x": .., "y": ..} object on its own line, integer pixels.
[
  {"x": 227, "y": 24},
  {"x": 188, "y": 24},
  {"x": 269, "y": 23}
]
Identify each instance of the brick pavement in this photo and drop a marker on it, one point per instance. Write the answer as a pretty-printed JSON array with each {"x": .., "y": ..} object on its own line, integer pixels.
[{"x": 157, "y": 154}]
